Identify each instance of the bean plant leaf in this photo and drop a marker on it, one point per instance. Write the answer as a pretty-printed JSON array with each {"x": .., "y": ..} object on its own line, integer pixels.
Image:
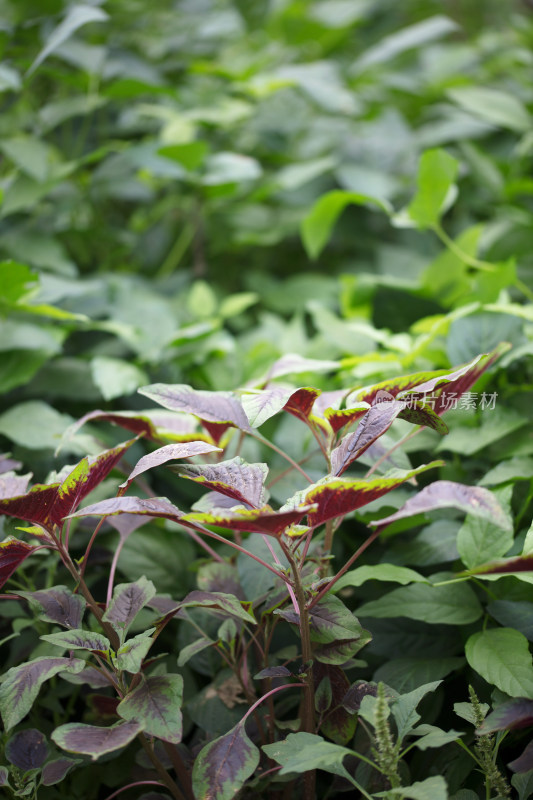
[
  {"x": 501, "y": 656},
  {"x": 76, "y": 16},
  {"x": 20, "y": 685},
  {"x": 156, "y": 704},
  {"x": 260, "y": 520},
  {"x": 79, "y": 640},
  {"x": 128, "y": 600},
  {"x": 234, "y": 478},
  {"x": 452, "y": 604},
  {"x": 437, "y": 172},
  {"x": 219, "y": 407},
  {"x": 334, "y": 497},
  {"x": 509, "y": 716},
  {"x": 12, "y": 553},
  {"x": 433, "y": 788},
  {"x": 90, "y": 740},
  {"x": 27, "y": 749},
  {"x": 446, "y": 494},
  {"x": 379, "y": 572},
  {"x": 222, "y": 766},
  {"x": 57, "y": 604},
  {"x": 170, "y": 452},
  {"x": 56, "y": 770}
]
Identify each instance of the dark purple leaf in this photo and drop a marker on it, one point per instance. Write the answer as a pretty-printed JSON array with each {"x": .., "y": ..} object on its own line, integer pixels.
[
  {"x": 55, "y": 771},
  {"x": 374, "y": 424},
  {"x": 353, "y": 697},
  {"x": 21, "y": 685},
  {"x": 216, "y": 430},
  {"x": 235, "y": 478},
  {"x": 209, "y": 406},
  {"x": 273, "y": 672},
  {"x": 447, "y": 494},
  {"x": 128, "y": 600},
  {"x": 13, "y": 485},
  {"x": 328, "y": 401},
  {"x": 93, "y": 741},
  {"x": 154, "y": 426},
  {"x": 261, "y": 520},
  {"x": 513, "y": 714},
  {"x": 156, "y": 704},
  {"x": 214, "y": 502},
  {"x": 34, "y": 506},
  {"x": 338, "y": 419},
  {"x": 103, "y": 708},
  {"x": 218, "y": 600},
  {"x": 27, "y": 749},
  {"x": 89, "y": 675},
  {"x": 300, "y": 404},
  {"x": 169, "y": 452},
  {"x": 79, "y": 640},
  {"x": 524, "y": 762},
  {"x": 339, "y": 725},
  {"x": 223, "y": 766},
  {"x": 152, "y": 507},
  {"x": 4, "y": 777},
  {"x": 12, "y": 553},
  {"x": 335, "y": 497},
  {"x": 58, "y": 605},
  {"x": 125, "y": 524},
  {"x": 323, "y": 695},
  {"x": 504, "y": 566}
]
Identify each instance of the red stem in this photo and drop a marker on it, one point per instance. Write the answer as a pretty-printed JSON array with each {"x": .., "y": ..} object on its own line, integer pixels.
[{"x": 131, "y": 785}]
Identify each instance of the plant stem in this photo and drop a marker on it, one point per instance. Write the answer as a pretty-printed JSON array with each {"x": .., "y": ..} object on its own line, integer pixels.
[
  {"x": 159, "y": 768},
  {"x": 89, "y": 546},
  {"x": 279, "y": 451},
  {"x": 132, "y": 785},
  {"x": 477, "y": 263},
  {"x": 179, "y": 768}
]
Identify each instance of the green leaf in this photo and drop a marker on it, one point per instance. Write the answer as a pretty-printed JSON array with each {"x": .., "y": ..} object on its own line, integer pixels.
[
  {"x": 379, "y": 572},
  {"x": 78, "y": 640},
  {"x": 223, "y": 766},
  {"x": 430, "y": 736},
  {"x": 34, "y": 424},
  {"x": 21, "y": 685},
  {"x": 434, "y": 788},
  {"x": 191, "y": 155},
  {"x": 156, "y": 703},
  {"x": 76, "y": 17},
  {"x": 453, "y": 604},
  {"x": 318, "y": 225},
  {"x": 480, "y": 540},
  {"x": 404, "y": 708},
  {"x": 500, "y": 108},
  {"x": 437, "y": 172},
  {"x": 16, "y": 281},
  {"x": 130, "y": 656},
  {"x": 302, "y": 752},
  {"x": 501, "y": 656},
  {"x": 116, "y": 377}
]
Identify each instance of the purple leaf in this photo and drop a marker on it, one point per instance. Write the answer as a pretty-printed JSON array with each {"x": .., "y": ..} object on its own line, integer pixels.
[
  {"x": 157, "y": 427},
  {"x": 21, "y": 685},
  {"x": 4, "y": 777},
  {"x": 504, "y": 566},
  {"x": 34, "y": 506},
  {"x": 27, "y": 749},
  {"x": 374, "y": 424},
  {"x": 128, "y": 600},
  {"x": 93, "y": 741},
  {"x": 152, "y": 507},
  {"x": 261, "y": 520},
  {"x": 353, "y": 697},
  {"x": 169, "y": 452},
  {"x": 13, "y": 485},
  {"x": 524, "y": 762},
  {"x": 58, "y": 605},
  {"x": 8, "y": 464},
  {"x": 513, "y": 714},
  {"x": 12, "y": 553},
  {"x": 210, "y": 406},
  {"x": 79, "y": 640},
  {"x": 300, "y": 404},
  {"x": 125, "y": 524},
  {"x": 156, "y": 704},
  {"x": 262, "y": 404},
  {"x": 222, "y": 766},
  {"x": 339, "y": 725},
  {"x": 89, "y": 675},
  {"x": 55, "y": 771},
  {"x": 234, "y": 478},
  {"x": 273, "y": 672},
  {"x": 447, "y": 494},
  {"x": 218, "y": 600},
  {"x": 335, "y": 497}
]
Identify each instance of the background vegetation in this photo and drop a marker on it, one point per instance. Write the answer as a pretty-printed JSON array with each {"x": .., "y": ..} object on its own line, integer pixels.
[{"x": 193, "y": 190}]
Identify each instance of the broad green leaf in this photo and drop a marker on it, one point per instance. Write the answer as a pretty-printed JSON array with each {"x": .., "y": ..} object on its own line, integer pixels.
[
  {"x": 20, "y": 685},
  {"x": 480, "y": 540},
  {"x": 34, "y": 424},
  {"x": 404, "y": 708},
  {"x": 130, "y": 656},
  {"x": 514, "y": 469},
  {"x": 116, "y": 377},
  {"x": 186, "y": 653},
  {"x": 318, "y": 225},
  {"x": 430, "y": 736},
  {"x": 190, "y": 154},
  {"x": 75, "y": 737},
  {"x": 437, "y": 172},
  {"x": 16, "y": 281},
  {"x": 500, "y": 108},
  {"x": 156, "y": 704},
  {"x": 412, "y": 36},
  {"x": 302, "y": 752},
  {"x": 408, "y": 674},
  {"x": 434, "y": 788},
  {"x": 76, "y": 17},
  {"x": 501, "y": 656},
  {"x": 452, "y": 604},
  {"x": 223, "y": 766},
  {"x": 379, "y": 572}
]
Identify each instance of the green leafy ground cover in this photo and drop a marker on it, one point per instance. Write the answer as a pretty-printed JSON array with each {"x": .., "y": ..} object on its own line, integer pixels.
[{"x": 254, "y": 198}]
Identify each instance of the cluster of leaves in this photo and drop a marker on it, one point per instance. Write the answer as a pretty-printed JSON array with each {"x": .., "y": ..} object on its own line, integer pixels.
[{"x": 161, "y": 174}]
